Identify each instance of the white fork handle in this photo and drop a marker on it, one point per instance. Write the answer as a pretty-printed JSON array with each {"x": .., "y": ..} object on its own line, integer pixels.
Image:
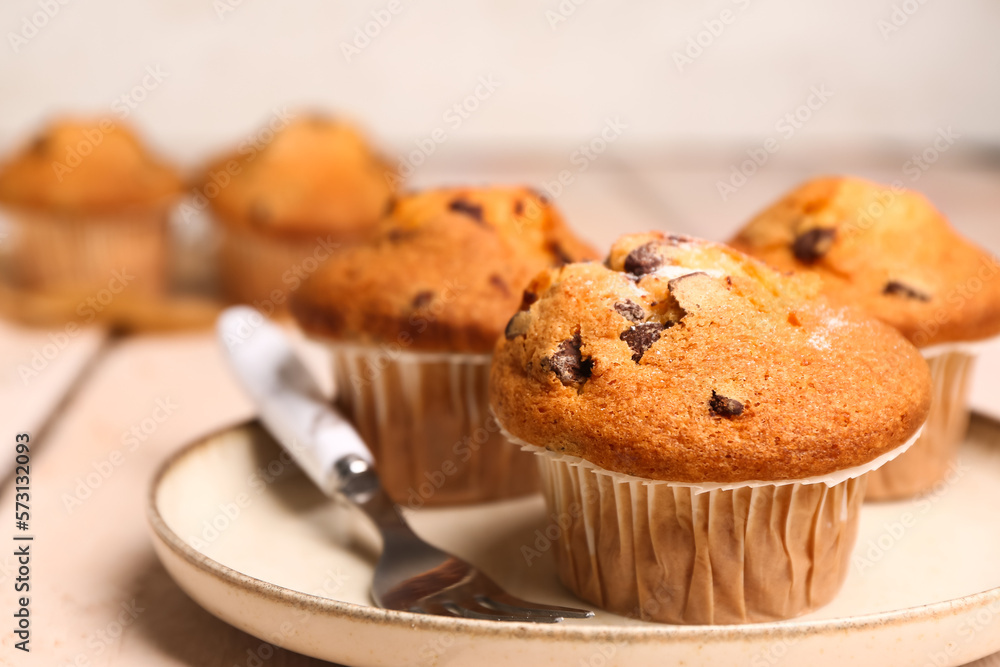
[{"x": 288, "y": 401}]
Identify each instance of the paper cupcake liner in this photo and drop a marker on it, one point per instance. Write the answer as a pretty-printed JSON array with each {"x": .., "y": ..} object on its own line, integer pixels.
[
  {"x": 700, "y": 554},
  {"x": 426, "y": 418},
  {"x": 86, "y": 254},
  {"x": 932, "y": 456}
]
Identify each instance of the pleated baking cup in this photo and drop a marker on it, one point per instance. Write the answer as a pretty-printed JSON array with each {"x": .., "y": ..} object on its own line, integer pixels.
[
  {"x": 426, "y": 418},
  {"x": 931, "y": 458},
  {"x": 88, "y": 254},
  {"x": 702, "y": 554},
  {"x": 263, "y": 270}
]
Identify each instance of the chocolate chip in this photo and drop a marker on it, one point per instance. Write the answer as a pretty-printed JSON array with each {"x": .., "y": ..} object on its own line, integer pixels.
[
  {"x": 559, "y": 254},
  {"x": 40, "y": 145},
  {"x": 468, "y": 208},
  {"x": 527, "y": 299},
  {"x": 542, "y": 197},
  {"x": 517, "y": 325},
  {"x": 259, "y": 213},
  {"x": 395, "y": 235},
  {"x": 630, "y": 310},
  {"x": 641, "y": 337},
  {"x": 519, "y": 207},
  {"x": 390, "y": 206},
  {"x": 677, "y": 239},
  {"x": 811, "y": 246},
  {"x": 500, "y": 284},
  {"x": 896, "y": 288},
  {"x": 643, "y": 260},
  {"x": 724, "y": 406},
  {"x": 568, "y": 364},
  {"x": 422, "y": 299}
]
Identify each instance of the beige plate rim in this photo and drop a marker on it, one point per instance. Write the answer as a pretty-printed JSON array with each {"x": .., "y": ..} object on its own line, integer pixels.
[{"x": 528, "y": 631}]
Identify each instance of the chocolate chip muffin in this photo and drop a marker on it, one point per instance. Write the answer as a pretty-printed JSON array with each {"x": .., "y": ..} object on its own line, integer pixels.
[
  {"x": 889, "y": 253},
  {"x": 284, "y": 205},
  {"x": 89, "y": 205},
  {"x": 412, "y": 316},
  {"x": 682, "y": 398}
]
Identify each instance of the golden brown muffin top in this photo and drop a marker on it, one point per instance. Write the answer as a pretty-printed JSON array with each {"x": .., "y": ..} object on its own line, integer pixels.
[
  {"x": 315, "y": 176},
  {"x": 886, "y": 250},
  {"x": 686, "y": 361},
  {"x": 445, "y": 272},
  {"x": 86, "y": 166}
]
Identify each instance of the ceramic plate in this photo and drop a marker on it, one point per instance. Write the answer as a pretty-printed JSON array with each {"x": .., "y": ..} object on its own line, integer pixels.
[{"x": 242, "y": 531}]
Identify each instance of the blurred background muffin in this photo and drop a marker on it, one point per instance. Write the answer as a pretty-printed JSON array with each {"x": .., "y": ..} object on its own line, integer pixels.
[
  {"x": 704, "y": 426},
  {"x": 890, "y": 253},
  {"x": 282, "y": 209},
  {"x": 412, "y": 317},
  {"x": 89, "y": 206}
]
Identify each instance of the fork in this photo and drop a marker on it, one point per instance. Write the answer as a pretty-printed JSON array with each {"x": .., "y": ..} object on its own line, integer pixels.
[{"x": 410, "y": 575}]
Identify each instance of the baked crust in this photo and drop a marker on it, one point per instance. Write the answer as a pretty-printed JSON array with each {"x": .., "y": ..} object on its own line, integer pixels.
[
  {"x": 884, "y": 250},
  {"x": 316, "y": 176},
  {"x": 444, "y": 273},
  {"x": 686, "y": 361},
  {"x": 86, "y": 166}
]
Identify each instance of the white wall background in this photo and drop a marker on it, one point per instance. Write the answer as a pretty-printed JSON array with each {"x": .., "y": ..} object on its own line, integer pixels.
[{"x": 226, "y": 69}]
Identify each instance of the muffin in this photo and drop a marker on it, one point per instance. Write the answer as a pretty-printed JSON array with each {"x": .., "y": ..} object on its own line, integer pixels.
[
  {"x": 889, "y": 253},
  {"x": 284, "y": 208},
  {"x": 411, "y": 318},
  {"x": 88, "y": 205},
  {"x": 703, "y": 426}
]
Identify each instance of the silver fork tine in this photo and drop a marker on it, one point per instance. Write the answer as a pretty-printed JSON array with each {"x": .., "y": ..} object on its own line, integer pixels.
[
  {"x": 472, "y": 609},
  {"x": 452, "y": 609},
  {"x": 508, "y": 602}
]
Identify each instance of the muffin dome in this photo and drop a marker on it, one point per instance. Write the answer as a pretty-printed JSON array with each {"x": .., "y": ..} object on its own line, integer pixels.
[
  {"x": 686, "y": 361},
  {"x": 86, "y": 167},
  {"x": 444, "y": 273},
  {"x": 884, "y": 250},
  {"x": 316, "y": 176}
]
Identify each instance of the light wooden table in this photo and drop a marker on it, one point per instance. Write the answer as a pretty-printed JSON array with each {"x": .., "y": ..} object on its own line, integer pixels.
[{"x": 104, "y": 412}]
